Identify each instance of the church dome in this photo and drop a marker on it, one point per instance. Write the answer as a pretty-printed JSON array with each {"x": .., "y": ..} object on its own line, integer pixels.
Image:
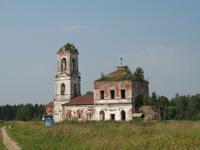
[{"x": 120, "y": 74}]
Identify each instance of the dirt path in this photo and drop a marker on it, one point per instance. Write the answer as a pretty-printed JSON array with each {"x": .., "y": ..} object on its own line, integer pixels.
[{"x": 7, "y": 141}]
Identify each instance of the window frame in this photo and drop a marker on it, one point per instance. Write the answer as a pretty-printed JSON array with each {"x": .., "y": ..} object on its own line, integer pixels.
[
  {"x": 123, "y": 93},
  {"x": 102, "y": 94},
  {"x": 112, "y": 94}
]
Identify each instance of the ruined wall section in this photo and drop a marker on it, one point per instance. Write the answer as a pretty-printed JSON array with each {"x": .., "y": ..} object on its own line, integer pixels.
[
  {"x": 151, "y": 112},
  {"x": 140, "y": 88},
  {"x": 107, "y": 86},
  {"x": 115, "y": 109},
  {"x": 78, "y": 113}
]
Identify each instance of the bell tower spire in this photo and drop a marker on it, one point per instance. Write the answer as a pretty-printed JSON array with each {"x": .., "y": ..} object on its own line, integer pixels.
[{"x": 67, "y": 80}]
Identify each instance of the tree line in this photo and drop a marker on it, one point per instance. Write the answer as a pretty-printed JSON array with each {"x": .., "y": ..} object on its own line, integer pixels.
[
  {"x": 185, "y": 107},
  {"x": 24, "y": 112},
  {"x": 179, "y": 107}
]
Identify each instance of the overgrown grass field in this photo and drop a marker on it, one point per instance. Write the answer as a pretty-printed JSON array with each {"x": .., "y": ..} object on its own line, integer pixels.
[
  {"x": 108, "y": 135},
  {"x": 1, "y": 145}
]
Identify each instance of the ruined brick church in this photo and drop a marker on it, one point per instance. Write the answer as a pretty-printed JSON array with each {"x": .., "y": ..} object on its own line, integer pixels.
[{"x": 115, "y": 95}]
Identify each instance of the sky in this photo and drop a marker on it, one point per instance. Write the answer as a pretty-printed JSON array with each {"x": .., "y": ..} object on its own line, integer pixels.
[{"x": 162, "y": 37}]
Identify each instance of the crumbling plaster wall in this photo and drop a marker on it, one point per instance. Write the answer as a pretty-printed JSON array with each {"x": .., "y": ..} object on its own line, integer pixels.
[
  {"x": 86, "y": 112},
  {"x": 113, "y": 109},
  {"x": 57, "y": 115}
]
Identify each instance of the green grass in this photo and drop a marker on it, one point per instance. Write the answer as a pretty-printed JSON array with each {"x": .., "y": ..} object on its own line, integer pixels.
[
  {"x": 2, "y": 147},
  {"x": 108, "y": 135}
]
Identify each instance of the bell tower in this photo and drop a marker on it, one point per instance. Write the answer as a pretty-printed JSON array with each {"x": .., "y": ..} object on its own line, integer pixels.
[{"x": 67, "y": 79}]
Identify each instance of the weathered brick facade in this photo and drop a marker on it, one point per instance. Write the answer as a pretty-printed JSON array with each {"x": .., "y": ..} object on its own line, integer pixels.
[{"x": 107, "y": 86}]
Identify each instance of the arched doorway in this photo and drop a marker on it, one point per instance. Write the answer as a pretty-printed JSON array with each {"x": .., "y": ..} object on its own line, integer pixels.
[
  {"x": 102, "y": 115},
  {"x": 112, "y": 117},
  {"x": 123, "y": 115}
]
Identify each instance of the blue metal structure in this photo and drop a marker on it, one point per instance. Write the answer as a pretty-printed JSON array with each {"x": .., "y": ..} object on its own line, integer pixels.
[{"x": 47, "y": 120}]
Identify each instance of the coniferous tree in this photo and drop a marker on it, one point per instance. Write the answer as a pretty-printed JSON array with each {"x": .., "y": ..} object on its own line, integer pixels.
[{"x": 139, "y": 74}]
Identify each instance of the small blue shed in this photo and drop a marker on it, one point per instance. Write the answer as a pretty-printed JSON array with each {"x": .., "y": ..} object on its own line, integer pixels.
[{"x": 47, "y": 120}]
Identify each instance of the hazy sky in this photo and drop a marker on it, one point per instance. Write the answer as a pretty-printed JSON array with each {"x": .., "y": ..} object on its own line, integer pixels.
[{"x": 163, "y": 37}]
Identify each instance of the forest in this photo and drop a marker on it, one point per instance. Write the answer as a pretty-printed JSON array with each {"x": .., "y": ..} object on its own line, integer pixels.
[
  {"x": 24, "y": 112},
  {"x": 180, "y": 107}
]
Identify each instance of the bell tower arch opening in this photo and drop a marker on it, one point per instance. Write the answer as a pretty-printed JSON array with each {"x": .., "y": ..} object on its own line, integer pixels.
[{"x": 63, "y": 65}]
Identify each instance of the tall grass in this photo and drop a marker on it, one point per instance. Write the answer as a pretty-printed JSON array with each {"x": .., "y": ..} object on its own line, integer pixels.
[
  {"x": 2, "y": 147},
  {"x": 108, "y": 135}
]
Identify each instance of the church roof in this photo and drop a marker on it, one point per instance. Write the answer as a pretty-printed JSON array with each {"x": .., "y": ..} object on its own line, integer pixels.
[
  {"x": 80, "y": 100},
  {"x": 68, "y": 47},
  {"x": 121, "y": 74}
]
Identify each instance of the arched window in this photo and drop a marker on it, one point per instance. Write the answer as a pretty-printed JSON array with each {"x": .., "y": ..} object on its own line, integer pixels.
[
  {"x": 63, "y": 89},
  {"x": 69, "y": 115},
  {"x": 89, "y": 116},
  {"x": 102, "y": 115},
  {"x": 63, "y": 64},
  {"x": 123, "y": 115},
  {"x": 79, "y": 114}
]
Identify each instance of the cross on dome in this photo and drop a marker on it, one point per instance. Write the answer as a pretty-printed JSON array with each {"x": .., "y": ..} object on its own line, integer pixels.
[{"x": 121, "y": 59}]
